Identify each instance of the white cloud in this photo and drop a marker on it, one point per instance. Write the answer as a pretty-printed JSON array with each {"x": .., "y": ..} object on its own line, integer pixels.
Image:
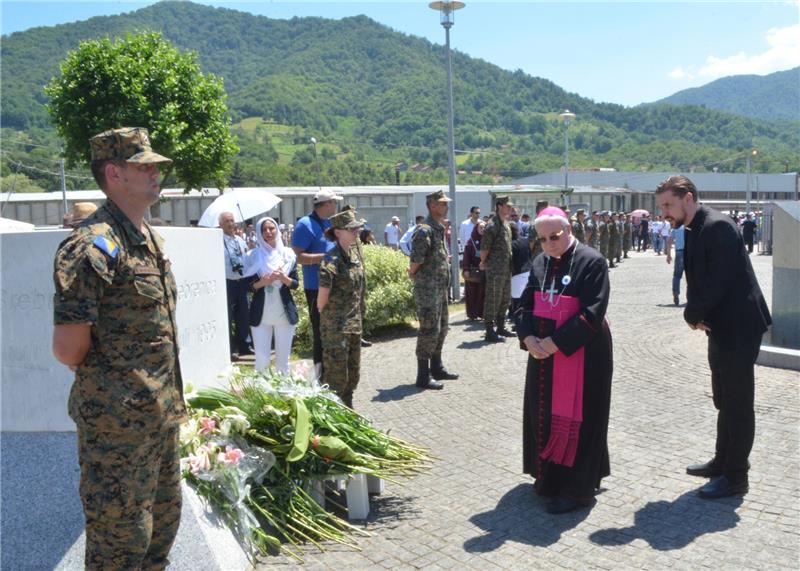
[
  {"x": 783, "y": 53},
  {"x": 680, "y": 73}
]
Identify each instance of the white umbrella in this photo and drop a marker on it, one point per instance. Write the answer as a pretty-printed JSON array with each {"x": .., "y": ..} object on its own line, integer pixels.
[{"x": 242, "y": 203}]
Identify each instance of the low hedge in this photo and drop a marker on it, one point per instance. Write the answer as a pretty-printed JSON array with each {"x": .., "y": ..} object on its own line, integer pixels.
[{"x": 390, "y": 299}]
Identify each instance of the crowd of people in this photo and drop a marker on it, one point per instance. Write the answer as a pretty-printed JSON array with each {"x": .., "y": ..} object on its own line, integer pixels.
[{"x": 115, "y": 326}]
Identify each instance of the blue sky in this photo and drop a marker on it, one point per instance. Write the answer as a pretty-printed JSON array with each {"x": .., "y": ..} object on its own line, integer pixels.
[{"x": 621, "y": 52}]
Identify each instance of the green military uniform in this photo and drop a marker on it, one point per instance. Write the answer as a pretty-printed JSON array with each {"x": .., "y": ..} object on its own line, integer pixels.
[
  {"x": 127, "y": 398},
  {"x": 579, "y": 231},
  {"x": 618, "y": 240},
  {"x": 496, "y": 242},
  {"x": 340, "y": 321},
  {"x": 603, "y": 237},
  {"x": 431, "y": 284},
  {"x": 627, "y": 237}
]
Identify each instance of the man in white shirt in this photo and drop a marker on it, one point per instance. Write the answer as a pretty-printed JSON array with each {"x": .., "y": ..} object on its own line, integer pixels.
[
  {"x": 655, "y": 230},
  {"x": 236, "y": 286},
  {"x": 466, "y": 227},
  {"x": 391, "y": 234}
]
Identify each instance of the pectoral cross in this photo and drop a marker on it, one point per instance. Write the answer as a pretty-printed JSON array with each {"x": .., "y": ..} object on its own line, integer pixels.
[{"x": 551, "y": 291}]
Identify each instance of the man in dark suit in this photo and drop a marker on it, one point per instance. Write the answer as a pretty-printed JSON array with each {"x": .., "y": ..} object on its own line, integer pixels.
[{"x": 724, "y": 301}]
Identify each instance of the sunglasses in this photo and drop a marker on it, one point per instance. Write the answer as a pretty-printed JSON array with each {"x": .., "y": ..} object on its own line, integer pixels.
[{"x": 552, "y": 238}]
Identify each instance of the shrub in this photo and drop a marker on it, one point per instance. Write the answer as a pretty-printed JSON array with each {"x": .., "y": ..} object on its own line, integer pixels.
[{"x": 390, "y": 299}]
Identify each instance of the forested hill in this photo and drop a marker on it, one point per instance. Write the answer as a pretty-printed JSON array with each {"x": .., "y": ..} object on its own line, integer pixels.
[
  {"x": 773, "y": 97},
  {"x": 357, "y": 82}
]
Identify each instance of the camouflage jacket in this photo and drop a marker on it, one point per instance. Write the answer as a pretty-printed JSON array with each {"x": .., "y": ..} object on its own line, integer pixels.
[
  {"x": 111, "y": 275},
  {"x": 579, "y": 231},
  {"x": 343, "y": 273},
  {"x": 602, "y": 233},
  {"x": 428, "y": 249},
  {"x": 497, "y": 241}
]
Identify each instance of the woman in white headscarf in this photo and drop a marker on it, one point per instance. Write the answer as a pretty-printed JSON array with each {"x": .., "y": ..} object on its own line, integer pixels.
[{"x": 272, "y": 311}]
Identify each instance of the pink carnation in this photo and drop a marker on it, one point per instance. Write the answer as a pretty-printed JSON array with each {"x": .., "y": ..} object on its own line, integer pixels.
[
  {"x": 231, "y": 456},
  {"x": 208, "y": 425}
]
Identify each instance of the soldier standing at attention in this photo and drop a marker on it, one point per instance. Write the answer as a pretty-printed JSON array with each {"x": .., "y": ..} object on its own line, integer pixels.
[
  {"x": 430, "y": 272},
  {"x": 613, "y": 239},
  {"x": 536, "y": 247},
  {"x": 341, "y": 306},
  {"x": 593, "y": 231},
  {"x": 603, "y": 237},
  {"x": 578, "y": 227},
  {"x": 496, "y": 262},
  {"x": 627, "y": 236},
  {"x": 114, "y": 315}
]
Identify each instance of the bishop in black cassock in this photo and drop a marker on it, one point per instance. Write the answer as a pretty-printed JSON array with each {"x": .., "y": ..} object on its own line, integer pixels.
[{"x": 568, "y": 382}]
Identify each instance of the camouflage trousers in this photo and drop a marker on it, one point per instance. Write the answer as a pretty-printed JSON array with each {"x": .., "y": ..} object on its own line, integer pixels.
[
  {"x": 498, "y": 296},
  {"x": 604, "y": 249},
  {"x": 433, "y": 317},
  {"x": 131, "y": 492},
  {"x": 341, "y": 364}
]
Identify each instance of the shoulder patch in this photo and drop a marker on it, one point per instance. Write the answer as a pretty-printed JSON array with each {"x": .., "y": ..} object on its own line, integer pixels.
[{"x": 106, "y": 245}]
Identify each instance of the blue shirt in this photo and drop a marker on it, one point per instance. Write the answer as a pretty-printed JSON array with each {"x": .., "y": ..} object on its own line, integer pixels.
[
  {"x": 677, "y": 237},
  {"x": 309, "y": 235}
]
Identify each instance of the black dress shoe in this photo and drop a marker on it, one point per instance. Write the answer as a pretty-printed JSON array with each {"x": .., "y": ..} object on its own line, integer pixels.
[
  {"x": 564, "y": 504},
  {"x": 431, "y": 385},
  {"x": 246, "y": 351},
  {"x": 365, "y": 343},
  {"x": 503, "y": 332},
  {"x": 708, "y": 470},
  {"x": 722, "y": 487}
]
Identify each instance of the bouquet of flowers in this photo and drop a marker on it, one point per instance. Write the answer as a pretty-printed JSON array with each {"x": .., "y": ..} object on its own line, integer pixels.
[{"x": 254, "y": 449}]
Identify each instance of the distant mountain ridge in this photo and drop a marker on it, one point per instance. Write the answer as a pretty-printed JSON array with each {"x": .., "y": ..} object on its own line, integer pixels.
[
  {"x": 372, "y": 94},
  {"x": 774, "y": 97}
]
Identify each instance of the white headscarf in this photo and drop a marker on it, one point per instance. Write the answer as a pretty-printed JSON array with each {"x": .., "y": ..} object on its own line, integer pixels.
[{"x": 265, "y": 259}]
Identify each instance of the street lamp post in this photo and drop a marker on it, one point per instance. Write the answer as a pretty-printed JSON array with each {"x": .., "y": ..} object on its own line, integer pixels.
[
  {"x": 447, "y": 9},
  {"x": 750, "y": 155},
  {"x": 567, "y": 118}
]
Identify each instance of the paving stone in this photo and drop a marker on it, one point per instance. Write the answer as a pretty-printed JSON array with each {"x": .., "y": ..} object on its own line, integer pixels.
[{"x": 476, "y": 510}]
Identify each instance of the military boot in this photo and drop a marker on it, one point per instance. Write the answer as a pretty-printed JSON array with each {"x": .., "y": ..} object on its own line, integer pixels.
[
  {"x": 503, "y": 332},
  {"x": 438, "y": 371},
  {"x": 491, "y": 334},
  {"x": 424, "y": 380}
]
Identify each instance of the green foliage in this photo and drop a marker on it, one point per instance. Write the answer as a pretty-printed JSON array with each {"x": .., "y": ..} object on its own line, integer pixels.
[
  {"x": 373, "y": 97},
  {"x": 390, "y": 299},
  {"x": 18, "y": 183},
  {"x": 143, "y": 80}
]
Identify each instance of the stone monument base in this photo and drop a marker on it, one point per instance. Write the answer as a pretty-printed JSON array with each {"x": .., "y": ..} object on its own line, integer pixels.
[{"x": 42, "y": 518}]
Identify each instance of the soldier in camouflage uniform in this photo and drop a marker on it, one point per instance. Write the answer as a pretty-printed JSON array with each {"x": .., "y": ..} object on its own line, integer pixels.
[
  {"x": 114, "y": 315},
  {"x": 533, "y": 241},
  {"x": 430, "y": 271},
  {"x": 603, "y": 235},
  {"x": 360, "y": 252},
  {"x": 614, "y": 239},
  {"x": 341, "y": 304},
  {"x": 578, "y": 227},
  {"x": 496, "y": 262},
  {"x": 627, "y": 235},
  {"x": 593, "y": 231}
]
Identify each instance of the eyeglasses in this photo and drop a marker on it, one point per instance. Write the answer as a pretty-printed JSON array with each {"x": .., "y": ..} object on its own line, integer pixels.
[{"x": 552, "y": 238}]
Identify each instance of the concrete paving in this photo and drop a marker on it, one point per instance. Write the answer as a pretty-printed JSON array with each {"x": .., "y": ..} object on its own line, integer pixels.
[{"x": 476, "y": 510}]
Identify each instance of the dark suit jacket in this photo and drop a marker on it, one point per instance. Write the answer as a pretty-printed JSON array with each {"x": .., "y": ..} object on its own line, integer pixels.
[
  {"x": 257, "y": 304},
  {"x": 722, "y": 289}
]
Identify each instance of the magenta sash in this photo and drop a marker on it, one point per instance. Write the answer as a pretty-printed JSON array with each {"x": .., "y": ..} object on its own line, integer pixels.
[{"x": 567, "y": 398}]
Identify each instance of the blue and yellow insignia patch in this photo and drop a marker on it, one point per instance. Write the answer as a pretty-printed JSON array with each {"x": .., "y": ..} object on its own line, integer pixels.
[{"x": 106, "y": 245}]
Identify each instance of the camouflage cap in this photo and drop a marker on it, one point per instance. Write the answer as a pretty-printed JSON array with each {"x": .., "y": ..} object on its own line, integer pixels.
[
  {"x": 130, "y": 144},
  {"x": 438, "y": 196},
  {"x": 504, "y": 200},
  {"x": 346, "y": 220}
]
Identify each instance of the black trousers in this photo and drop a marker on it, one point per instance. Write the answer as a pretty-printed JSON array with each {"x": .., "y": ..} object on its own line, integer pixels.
[
  {"x": 313, "y": 313},
  {"x": 733, "y": 389},
  {"x": 238, "y": 314},
  {"x": 749, "y": 243}
]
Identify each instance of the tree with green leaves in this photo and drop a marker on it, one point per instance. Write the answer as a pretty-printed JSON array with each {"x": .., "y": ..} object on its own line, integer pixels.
[{"x": 144, "y": 81}]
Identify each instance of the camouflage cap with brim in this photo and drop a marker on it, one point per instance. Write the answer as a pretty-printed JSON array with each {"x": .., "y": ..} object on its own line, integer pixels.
[
  {"x": 346, "y": 220},
  {"x": 438, "y": 196},
  {"x": 129, "y": 144}
]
